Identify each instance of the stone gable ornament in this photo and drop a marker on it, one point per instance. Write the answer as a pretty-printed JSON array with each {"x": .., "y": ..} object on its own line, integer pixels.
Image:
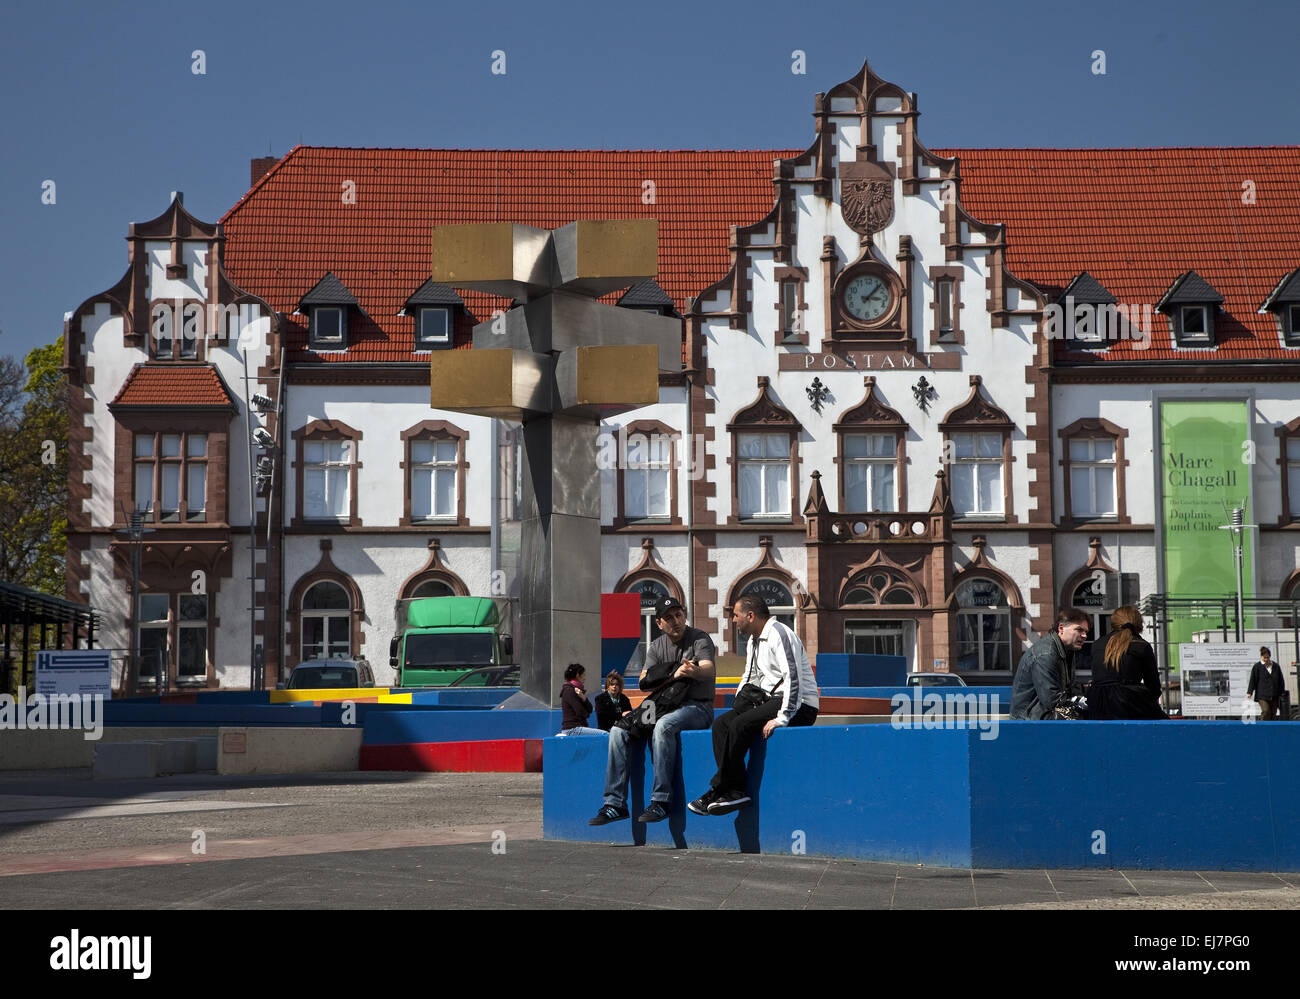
[{"x": 867, "y": 205}]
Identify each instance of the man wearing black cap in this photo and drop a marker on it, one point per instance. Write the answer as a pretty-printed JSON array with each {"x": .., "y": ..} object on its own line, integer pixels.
[{"x": 681, "y": 652}]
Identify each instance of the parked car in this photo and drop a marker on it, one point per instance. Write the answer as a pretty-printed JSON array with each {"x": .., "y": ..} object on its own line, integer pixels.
[
  {"x": 935, "y": 680},
  {"x": 319, "y": 674}
]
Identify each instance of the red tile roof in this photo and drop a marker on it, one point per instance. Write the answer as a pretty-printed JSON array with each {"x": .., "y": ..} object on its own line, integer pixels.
[
  {"x": 293, "y": 225},
  {"x": 1134, "y": 218},
  {"x": 174, "y": 386}
]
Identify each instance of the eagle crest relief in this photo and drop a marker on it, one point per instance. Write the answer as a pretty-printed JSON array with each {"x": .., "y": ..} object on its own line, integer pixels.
[{"x": 867, "y": 205}]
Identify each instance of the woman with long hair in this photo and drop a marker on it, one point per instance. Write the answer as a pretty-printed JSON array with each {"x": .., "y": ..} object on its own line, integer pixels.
[
  {"x": 575, "y": 708},
  {"x": 1125, "y": 684}
]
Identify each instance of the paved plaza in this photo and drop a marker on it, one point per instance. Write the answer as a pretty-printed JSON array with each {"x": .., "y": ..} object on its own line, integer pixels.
[{"x": 400, "y": 840}]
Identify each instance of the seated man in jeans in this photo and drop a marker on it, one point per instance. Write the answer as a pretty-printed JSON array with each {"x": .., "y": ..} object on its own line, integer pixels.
[
  {"x": 680, "y": 652},
  {"x": 778, "y": 689}
]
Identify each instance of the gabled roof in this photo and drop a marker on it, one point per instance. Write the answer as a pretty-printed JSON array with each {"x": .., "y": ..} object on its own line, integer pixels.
[
  {"x": 431, "y": 293},
  {"x": 1086, "y": 290},
  {"x": 1131, "y": 218},
  {"x": 1287, "y": 291},
  {"x": 292, "y": 226},
  {"x": 1135, "y": 218},
  {"x": 175, "y": 386},
  {"x": 646, "y": 293},
  {"x": 1189, "y": 289},
  {"x": 329, "y": 290}
]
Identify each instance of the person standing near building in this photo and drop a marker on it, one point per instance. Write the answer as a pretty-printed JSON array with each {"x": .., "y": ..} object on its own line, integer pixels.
[
  {"x": 681, "y": 652},
  {"x": 1044, "y": 679},
  {"x": 777, "y": 690},
  {"x": 1266, "y": 685}
]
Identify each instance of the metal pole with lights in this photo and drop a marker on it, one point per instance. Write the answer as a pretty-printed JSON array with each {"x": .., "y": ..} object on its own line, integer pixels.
[
  {"x": 259, "y": 474},
  {"x": 1237, "y": 525}
]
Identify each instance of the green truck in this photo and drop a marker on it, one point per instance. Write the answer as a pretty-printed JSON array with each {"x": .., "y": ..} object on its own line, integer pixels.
[{"x": 453, "y": 641}]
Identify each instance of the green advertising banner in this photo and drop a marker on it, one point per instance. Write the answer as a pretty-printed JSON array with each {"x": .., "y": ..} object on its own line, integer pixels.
[{"x": 1202, "y": 447}]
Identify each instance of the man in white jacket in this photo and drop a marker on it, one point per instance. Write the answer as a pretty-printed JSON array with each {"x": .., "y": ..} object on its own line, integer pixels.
[{"x": 778, "y": 689}]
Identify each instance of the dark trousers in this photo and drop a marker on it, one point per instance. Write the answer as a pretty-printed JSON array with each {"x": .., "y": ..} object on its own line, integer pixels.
[{"x": 735, "y": 732}]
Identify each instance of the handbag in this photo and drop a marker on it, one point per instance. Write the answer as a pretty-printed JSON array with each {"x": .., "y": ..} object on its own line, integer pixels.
[
  {"x": 751, "y": 696},
  {"x": 641, "y": 722},
  {"x": 1073, "y": 709}
]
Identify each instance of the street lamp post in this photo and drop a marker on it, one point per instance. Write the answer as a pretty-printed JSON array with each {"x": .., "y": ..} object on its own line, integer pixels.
[
  {"x": 260, "y": 471},
  {"x": 1237, "y": 525}
]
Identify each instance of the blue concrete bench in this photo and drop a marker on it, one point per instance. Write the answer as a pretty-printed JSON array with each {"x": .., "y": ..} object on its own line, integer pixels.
[{"x": 1136, "y": 795}]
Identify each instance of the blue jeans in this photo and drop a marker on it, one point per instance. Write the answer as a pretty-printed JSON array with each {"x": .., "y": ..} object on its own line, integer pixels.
[
  {"x": 663, "y": 742},
  {"x": 580, "y": 730}
]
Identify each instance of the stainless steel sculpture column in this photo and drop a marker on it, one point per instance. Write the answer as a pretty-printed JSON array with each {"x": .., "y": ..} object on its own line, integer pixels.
[{"x": 559, "y": 363}]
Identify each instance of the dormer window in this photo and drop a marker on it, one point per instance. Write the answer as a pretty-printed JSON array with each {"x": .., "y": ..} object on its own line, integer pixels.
[
  {"x": 433, "y": 308},
  {"x": 1193, "y": 324},
  {"x": 647, "y": 296},
  {"x": 1191, "y": 304},
  {"x": 327, "y": 307},
  {"x": 1284, "y": 303},
  {"x": 1090, "y": 318},
  {"x": 433, "y": 328},
  {"x": 329, "y": 326}
]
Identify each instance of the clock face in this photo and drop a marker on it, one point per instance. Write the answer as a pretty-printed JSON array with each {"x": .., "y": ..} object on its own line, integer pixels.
[{"x": 867, "y": 297}]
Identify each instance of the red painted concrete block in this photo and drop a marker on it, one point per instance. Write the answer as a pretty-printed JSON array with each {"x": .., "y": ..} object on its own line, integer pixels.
[
  {"x": 620, "y": 615},
  {"x": 508, "y": 756}
]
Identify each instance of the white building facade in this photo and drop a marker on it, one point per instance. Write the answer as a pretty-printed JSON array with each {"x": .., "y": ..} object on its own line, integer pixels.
[{"x": 874, "y": 428}]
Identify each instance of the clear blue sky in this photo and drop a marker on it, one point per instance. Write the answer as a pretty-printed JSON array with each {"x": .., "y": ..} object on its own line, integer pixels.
[{"x": 101, "y": 97}]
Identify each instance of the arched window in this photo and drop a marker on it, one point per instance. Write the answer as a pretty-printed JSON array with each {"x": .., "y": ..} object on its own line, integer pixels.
[
  {"x": 1089, "y": 596},
  {"x": 880, "y": 587},
  {"x": 984, "y": 631},
  {"x": 432, "y": 588},
  {"x": 780, "y": 604},
  {"x": 326, "y": 622},
  {"x": 652, "y": 591}
]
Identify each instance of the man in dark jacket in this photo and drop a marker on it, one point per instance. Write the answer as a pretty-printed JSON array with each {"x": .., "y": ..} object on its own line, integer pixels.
[
  {"x": 1266, "y": 685},
  {"x": 680, "y": 653},
  {"x": 1045, "y": 676}
]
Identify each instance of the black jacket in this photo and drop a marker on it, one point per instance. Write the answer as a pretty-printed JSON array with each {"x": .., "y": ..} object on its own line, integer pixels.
[
  {"x": 1266, "y": 684},
  {"x": 1130, "y": 692},
  {"x": 576, "y": 708},
  {"x": 1044, "y": 679},
  {"x": 609, "y": 711}
]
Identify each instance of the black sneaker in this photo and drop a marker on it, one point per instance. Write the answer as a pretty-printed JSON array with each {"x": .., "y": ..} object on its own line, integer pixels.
[
  {"x": 727, "y": 801},
  {"x": 655, "y": 813},
  {"x": 608, "y": 813},
  {"x": 700, "y": 806}
]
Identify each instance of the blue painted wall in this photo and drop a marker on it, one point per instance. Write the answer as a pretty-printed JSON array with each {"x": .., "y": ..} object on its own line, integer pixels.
[
  {"x": 1166, "y": 795},
  {"x": 840, "y": 669},
  {"x": 1004, "y": 693},
  {"x": 396, "y": 727},
  {"x": 875, "y": 801}
]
